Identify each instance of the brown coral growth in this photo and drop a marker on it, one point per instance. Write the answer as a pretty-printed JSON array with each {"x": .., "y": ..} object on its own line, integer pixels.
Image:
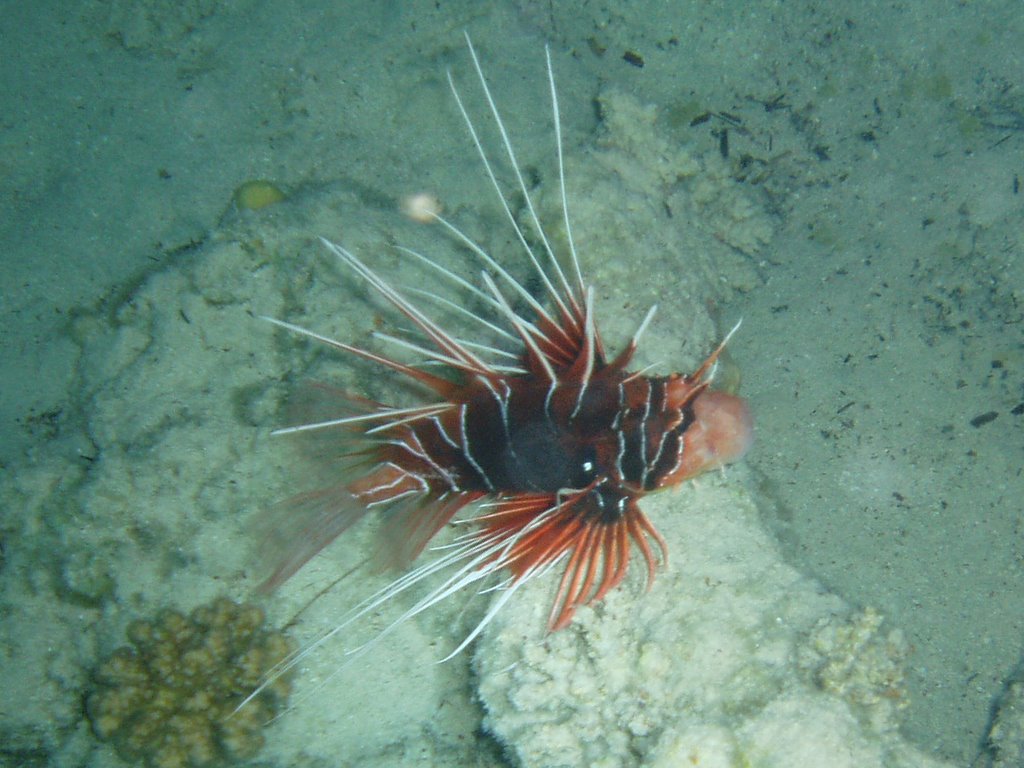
[{"x": 168, "y": 698}]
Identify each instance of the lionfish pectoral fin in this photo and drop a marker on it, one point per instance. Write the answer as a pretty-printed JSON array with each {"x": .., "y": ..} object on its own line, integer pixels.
[
  {"x": 542, "y": 528},
  {"x": 599, "y": 562}
]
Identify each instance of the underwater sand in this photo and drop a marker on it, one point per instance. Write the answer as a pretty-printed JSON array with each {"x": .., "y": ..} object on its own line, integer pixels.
[{"x": 882, "y": 317}]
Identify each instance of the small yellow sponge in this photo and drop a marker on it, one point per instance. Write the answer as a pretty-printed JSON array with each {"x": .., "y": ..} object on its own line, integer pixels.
[{"x": 256, "y": 194}]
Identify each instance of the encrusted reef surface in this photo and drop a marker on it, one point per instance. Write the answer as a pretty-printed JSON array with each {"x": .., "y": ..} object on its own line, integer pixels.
[
  {"x": 1006, "y": 737},
  {"x": 733, "y": 658}
]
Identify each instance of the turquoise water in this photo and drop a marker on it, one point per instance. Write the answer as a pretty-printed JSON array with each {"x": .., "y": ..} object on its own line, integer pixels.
[{"x": 881, "y": 347}]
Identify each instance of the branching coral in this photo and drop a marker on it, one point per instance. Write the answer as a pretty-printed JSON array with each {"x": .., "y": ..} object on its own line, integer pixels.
[{"x": 169, "y": 698}]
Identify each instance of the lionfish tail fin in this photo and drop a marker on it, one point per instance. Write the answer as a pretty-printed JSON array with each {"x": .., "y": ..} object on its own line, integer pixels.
[
  {"x": 409, "y": 527},
  {"x": 293, "y": 531}
]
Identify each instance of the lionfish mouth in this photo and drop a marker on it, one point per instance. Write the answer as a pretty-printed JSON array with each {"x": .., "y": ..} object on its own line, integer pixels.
[{"x": 541, "y": 443}]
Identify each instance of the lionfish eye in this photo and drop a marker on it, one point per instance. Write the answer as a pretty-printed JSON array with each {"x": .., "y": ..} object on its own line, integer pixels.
[{"x": 585, "y": 467}]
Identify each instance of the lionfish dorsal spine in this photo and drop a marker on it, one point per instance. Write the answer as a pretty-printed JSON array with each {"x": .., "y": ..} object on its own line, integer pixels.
[
  {"x": 567, "y": 301},
  {"x": 462, "y": 357}
]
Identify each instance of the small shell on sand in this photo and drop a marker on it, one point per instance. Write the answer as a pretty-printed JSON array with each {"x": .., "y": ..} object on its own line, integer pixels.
[{"x": 423, "y": 207}]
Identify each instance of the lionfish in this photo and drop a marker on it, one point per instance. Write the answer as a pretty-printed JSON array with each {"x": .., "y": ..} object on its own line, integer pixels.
[{"x": 547, "y": 442}]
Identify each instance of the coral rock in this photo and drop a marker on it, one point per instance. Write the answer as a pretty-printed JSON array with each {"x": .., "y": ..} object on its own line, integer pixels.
[{"x": 169, "y": 698}]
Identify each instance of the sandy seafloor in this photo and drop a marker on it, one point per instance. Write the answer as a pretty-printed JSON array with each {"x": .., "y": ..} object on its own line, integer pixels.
[{"x": 866, "y": 225}]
